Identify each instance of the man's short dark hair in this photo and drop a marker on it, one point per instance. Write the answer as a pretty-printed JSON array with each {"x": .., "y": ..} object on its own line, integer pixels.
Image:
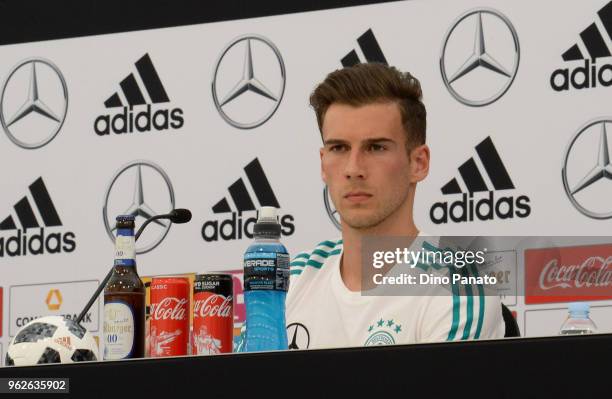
[{"x": 369, "y": 83}]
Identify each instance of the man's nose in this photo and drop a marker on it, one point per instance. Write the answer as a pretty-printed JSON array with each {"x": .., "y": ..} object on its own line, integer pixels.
[{"x": 355, "y": 166}]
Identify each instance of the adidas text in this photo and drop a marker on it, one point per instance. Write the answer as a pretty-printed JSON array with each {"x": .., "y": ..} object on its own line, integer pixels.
[
  {"x": 235, "y": 228},
  {"x": 469, "y": 209},
  {"x": 144, "y": 121},
  {"x": 582, "y": 77},
  {"x": 23, "y": 244}
]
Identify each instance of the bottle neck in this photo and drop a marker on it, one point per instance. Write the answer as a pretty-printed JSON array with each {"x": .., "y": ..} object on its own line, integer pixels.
[
  {"x": 579, "y": 315},
  {"x": 266, "y": 239},
  {"x": 125, "y": 248},
  {"x": 125, "y": 232}
]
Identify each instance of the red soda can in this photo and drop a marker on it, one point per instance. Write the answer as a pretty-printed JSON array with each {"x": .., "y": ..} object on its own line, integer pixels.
[
  {"x": 169, "y": 329},
  {"x": 213, "y": 314}
]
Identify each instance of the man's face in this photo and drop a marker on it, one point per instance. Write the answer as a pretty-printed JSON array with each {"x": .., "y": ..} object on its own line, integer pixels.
[{"x": 365, "y": 164}]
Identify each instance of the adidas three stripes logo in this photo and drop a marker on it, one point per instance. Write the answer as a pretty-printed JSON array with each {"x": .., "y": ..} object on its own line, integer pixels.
[
  {"x": 240, "y": 195},
  {"x": 131, "y": 89},
  {"x": 472, "y": 177},
  {"x": 593, "y": 39},
  {"x": 370, "y": 48},
  {"x": 25, "y": 214}
]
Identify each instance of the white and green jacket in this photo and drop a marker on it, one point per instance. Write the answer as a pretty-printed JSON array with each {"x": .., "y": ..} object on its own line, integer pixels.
[{"x": 323, "y": 313}]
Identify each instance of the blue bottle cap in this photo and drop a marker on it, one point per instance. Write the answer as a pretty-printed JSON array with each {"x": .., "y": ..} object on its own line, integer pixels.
[
  {"x": 125, "y": 218},
  {"x": 578, "y": 308}
]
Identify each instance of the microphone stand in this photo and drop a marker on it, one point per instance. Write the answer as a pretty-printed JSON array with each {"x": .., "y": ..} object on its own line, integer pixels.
[{"x": 110, "y": 272}]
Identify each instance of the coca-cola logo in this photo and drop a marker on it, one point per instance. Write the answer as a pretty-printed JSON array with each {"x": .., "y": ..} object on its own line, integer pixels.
[
  {"x": 568, "y": 274},
  {"x": 213, "y": 306},
  {"x": 169, "y": 308},
  {"x": 593, "y": 272}
]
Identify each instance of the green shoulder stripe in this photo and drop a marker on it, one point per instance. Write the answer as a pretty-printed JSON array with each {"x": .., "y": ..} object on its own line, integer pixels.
[
  {"x": 470, "y": 306},
  {"x": 302, "y": 255},
  {"x": 327, "y": 243},
  {"x": 317, "y": 257}
]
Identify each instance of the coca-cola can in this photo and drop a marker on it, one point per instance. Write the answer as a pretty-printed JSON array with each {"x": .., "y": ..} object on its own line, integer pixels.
[
  {"x": 169, "y": 328},
  {"x": 213, "y": 314}
]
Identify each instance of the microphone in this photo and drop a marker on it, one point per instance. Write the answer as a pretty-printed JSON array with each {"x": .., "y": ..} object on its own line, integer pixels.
[{"x": 178, "y": 216}]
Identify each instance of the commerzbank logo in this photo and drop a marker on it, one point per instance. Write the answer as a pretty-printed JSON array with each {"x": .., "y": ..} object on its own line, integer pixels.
[
  {"x": 588, "y": 61},
  {"x": 382, "y": 332},
  {"x": 140, "y": 105},
  {"x": 29, "y": 302},
  {"x": 480, "y": 57},
  {"x": 34, "y": 227},
  {"x": 248, "y": 81},
  {"x": 33, "y": 103},
  {"x": 54, "y": 299}
]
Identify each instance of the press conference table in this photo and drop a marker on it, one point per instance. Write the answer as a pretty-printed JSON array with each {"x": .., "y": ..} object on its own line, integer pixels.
[{"x": 548, "y": 367}]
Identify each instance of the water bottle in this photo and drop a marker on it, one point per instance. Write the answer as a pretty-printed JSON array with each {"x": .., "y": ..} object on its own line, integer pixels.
[
  {"x": 578, "y": 322},
  {"x": 266, "y": 280}
]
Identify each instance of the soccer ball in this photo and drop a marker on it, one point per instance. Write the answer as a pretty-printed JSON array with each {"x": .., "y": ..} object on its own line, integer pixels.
[{"x": 51, "y": 339}]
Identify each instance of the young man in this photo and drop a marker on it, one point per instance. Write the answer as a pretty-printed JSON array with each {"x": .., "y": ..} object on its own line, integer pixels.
[{"x": 372, "y": 121}]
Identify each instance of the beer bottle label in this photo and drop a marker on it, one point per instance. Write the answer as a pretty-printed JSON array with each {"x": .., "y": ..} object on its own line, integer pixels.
[
  {"x": 125, "y": 250},
  {"x": 118, "y": 331},
  {"x": 266, "y": 271}
]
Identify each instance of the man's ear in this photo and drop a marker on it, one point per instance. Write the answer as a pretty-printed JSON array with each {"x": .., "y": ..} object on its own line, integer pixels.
[
  {"x": 419, "y": 163},
  {"x": 323, "y": 175}
]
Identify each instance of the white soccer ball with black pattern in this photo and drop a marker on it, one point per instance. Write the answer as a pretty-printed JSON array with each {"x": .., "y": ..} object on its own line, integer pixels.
[{"x": 51, "y": 339}]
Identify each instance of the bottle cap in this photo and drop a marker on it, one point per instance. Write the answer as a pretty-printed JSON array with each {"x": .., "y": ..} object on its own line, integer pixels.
[
  {"x": 125, "y": 221},
  {"x": 580, "y": 308},
  {"x": 267, "y": 214},
  {"x": 126, "y": 218},
  {"x": 267, "y": 225}
]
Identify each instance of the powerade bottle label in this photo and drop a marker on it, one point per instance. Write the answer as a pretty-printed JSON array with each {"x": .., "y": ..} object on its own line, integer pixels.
[{"x": 266, "y": 271}]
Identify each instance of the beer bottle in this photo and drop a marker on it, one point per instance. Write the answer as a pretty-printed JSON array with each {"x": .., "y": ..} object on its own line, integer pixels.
[{"x": 124, "y": 299}]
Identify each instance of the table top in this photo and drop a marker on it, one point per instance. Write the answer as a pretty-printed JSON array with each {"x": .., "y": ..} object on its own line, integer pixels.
[{"x": 517, "y": 367}]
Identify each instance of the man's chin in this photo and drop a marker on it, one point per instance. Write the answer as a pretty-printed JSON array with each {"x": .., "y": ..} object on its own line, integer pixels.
[{"x": 361, "y": 221}]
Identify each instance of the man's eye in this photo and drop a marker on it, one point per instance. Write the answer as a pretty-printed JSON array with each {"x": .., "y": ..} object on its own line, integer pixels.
[
  {"x": 337, "y": 148},
  {"x": 377, "y": 147}
]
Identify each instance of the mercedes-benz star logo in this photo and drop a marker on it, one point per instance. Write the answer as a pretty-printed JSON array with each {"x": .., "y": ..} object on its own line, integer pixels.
[
  {"x": 125, "y": 186},
  {"x": 331, "y": 210},
  {"x": 456, "y": 62},
  {"x": 33, "y": 103},
  {"x": 584, "y": 147},
  {"x": 298, "y": 336},
  {"x": 248, "y": 101}
]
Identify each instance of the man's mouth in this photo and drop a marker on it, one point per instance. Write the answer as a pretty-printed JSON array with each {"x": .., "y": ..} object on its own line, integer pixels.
[{"x": 357, "y": 196}]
